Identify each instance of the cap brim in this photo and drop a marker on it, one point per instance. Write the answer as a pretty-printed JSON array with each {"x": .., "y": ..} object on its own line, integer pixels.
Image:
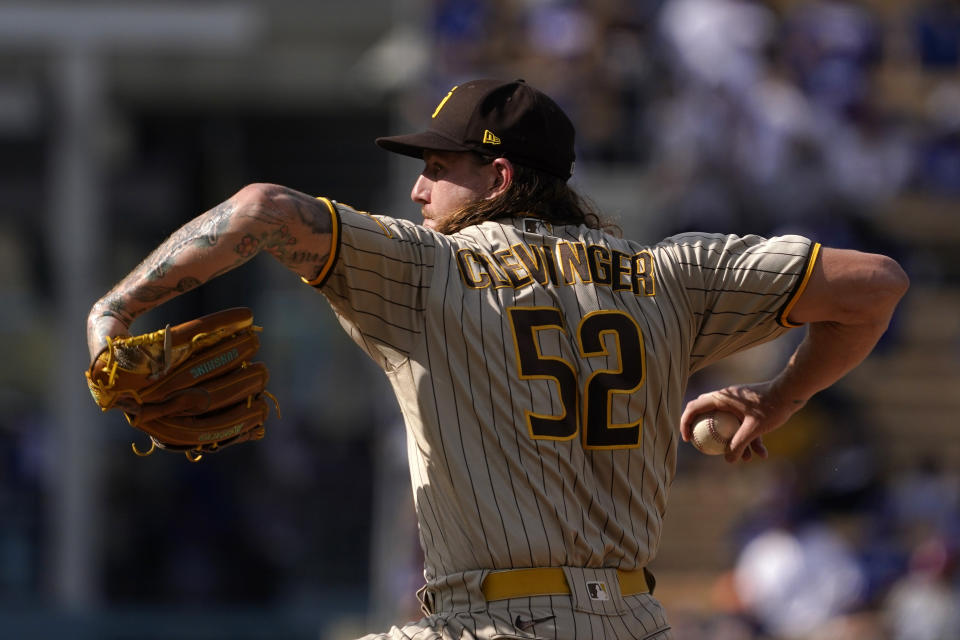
[{"x": 413, "y": 144}]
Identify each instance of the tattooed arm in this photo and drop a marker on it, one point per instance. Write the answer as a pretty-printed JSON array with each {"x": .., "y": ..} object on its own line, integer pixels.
[{"x": 292, "y": 227}]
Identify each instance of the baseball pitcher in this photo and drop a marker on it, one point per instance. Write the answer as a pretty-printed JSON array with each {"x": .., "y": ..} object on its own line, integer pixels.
[{"x": 540, "y": 360}]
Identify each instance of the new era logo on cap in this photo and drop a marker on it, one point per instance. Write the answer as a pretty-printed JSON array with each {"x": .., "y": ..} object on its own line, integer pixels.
[{"x": 510, "y": 119}]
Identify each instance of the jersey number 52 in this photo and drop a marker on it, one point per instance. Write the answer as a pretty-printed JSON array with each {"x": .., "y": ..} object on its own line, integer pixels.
[{"x": 600, "y": 387}]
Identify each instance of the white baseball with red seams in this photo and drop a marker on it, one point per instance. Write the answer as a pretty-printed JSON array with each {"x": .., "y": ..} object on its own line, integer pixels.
[{"x": 713, "y": 431}]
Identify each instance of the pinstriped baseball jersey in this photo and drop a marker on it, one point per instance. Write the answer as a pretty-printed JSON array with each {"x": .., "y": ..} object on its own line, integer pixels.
[{"x": 541, "y": 372}]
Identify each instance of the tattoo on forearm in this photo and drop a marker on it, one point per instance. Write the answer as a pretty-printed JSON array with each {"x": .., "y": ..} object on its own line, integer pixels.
[
  {"x": 288, "y": 225},
  {"x": 273, "y": 241},
  {"x": 311, "y": 212},
  {"x": 152, "y": 293},
  {"x": 159, "y": 270},
  {"x": 115, "y": 309},
  {"x": 280, "y": 241},
  {"x": 315, "y": 215},
  {"x": 305, "y": 257},
  {"x": 204, "y": 231},
  {"x": 247, "y": 246}
]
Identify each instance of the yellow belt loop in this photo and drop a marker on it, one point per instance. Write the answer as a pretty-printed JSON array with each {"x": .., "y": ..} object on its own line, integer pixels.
[{"x": 633, "y": 582}]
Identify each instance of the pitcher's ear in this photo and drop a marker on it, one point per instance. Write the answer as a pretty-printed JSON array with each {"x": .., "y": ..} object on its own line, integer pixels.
[{"x": 504, "y": 178}]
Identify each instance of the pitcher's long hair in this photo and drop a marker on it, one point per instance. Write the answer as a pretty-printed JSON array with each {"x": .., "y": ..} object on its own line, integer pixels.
[{"x": 534, "y": 194}]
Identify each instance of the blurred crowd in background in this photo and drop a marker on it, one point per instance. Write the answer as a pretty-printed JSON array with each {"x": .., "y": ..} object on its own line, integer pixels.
[{"x": 814, "y": 117}]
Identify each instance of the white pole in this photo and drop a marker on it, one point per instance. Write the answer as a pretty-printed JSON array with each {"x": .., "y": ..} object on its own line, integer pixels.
[
  {"x": 74, "y": 34},
  {"x": 75, "y": 228}
]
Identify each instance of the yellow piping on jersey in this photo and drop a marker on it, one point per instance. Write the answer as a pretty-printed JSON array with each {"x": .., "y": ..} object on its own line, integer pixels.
[
  {"x": 811, "y": 262},
  {"x": 334, "y": 244}
]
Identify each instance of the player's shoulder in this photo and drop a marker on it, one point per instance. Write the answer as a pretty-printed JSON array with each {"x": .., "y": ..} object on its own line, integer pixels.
[
  {"x": 699, "y": 241},
  {"x": 693, "y": 250},
  {"x": 705, "y": 240},
  {"x": 502, "y": 232},
  {"x": 354, "y": 215},
  {"x": 376, "y": 225},
  {"x": 534, "y": 230}
]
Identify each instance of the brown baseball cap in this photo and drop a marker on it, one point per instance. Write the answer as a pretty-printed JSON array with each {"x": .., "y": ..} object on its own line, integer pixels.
[{"x": 505, "y": 119}]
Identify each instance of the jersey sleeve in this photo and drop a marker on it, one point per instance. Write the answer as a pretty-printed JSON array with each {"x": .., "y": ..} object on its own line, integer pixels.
[
  {"x": 376, "y": 280},
  {"x": 740, "y": 289}
]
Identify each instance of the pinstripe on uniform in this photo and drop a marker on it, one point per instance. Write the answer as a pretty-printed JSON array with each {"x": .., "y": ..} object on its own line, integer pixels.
[{"x": 541, "y": 374}]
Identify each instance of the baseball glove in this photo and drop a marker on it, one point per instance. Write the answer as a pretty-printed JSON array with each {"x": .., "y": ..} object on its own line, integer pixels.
[{"x": 191, "y": 387}]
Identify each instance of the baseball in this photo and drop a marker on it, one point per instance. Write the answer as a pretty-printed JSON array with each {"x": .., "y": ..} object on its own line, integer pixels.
[{"x": 712, "y": 432}]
